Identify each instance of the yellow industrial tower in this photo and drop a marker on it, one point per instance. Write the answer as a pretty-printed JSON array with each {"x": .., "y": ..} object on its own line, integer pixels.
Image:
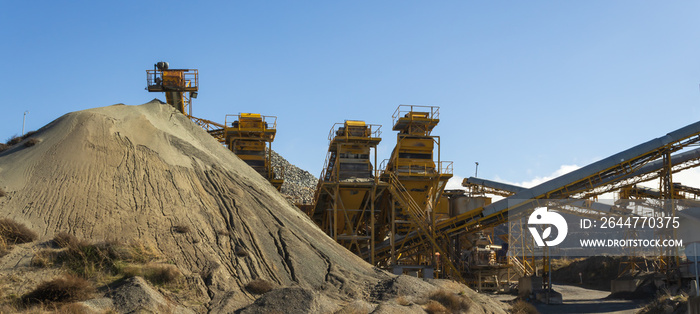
[
  {"x": 248, "y": 137},
  {"x": 348, "y": 187},
  {"x": 416, "y": 182},
  {"x": 174, "y": 83}
]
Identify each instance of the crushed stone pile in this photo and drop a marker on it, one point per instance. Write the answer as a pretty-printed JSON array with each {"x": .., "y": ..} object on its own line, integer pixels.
[
  {"x": 148, "y": 173},
  {"x": 299, "y": 185}
]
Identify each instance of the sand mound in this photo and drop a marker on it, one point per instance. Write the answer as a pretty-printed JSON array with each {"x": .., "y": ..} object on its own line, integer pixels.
[{"x": 129, "y": 172}]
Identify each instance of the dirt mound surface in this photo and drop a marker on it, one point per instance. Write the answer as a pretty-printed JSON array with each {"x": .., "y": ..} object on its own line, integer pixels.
[{"x": 124, "y": 172}]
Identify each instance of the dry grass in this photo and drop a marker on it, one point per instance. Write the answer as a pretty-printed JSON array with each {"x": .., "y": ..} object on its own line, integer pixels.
[
  {"x": 522, "y": 307},
  {"x": 451, "y": 301},
  {"x": 64, "y": 239},
  {"x": 4, "y": 248},
  {"x": 44, "y": 258},
  {"x": 31, "y": 142},
  {"x": 13, "y": 140},
  {"x": 88, "y": 260},
  {"x": 68, "y": 288},
  {"x": 14, "y": 233},
  {"x": 401, "y": 300},
  {"x": 259, "y": 286},
  {"x": 157, "y": 274},
  {"x": 434, "y": 307},
  {"x": 181, "y": 229}
]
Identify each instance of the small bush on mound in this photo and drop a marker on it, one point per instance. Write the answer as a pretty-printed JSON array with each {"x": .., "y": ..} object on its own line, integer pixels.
[
  {"x": 259, "y": 286},
  {"x": 434, "y": 307},
  {"x": 31, "y": 142},
  {"x": 13, "y": 140},
  {"x": 181, "y": 229},
  {"x": 451, "y": 301},
  {"x": 64, "y": 239},
  {"x": 15, "y": 233},
  {"x": 162, "y": 274},
  {"x": 522, "y": 307},
  {"x": 44, "y": 258},
  {"x": 157, "y": 274},
  {"x": 89, "y": 260},
  {"x": 68, "y": 288}
]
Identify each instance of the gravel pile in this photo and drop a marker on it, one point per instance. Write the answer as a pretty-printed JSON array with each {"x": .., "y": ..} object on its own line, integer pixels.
[{"x": 299, "y": 185}]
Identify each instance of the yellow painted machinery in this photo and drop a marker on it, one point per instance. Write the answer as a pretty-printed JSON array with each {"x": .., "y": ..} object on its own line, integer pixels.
[
  {"x": 179, "y": 85},
  {"x": 250, "y": 137},
  {"x": 347, "y": 190},
  {"x": 416, "y": 184}
]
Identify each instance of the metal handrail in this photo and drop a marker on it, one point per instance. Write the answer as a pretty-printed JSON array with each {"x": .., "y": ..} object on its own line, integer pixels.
[
  {"x": 368, "y": 133},
  {"x": 264, "y": 126},
  {"x": 433, "y": 111},
  {"x": 190, "y": 77}
]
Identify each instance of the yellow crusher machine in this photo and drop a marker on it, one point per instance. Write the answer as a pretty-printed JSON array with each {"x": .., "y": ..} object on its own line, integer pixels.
[
  {"x": 344, "y": 202},
  {"x": 250, "y": 136},
  {"x": 179, "y": 85},
  {"x": 416, "y": 184}
]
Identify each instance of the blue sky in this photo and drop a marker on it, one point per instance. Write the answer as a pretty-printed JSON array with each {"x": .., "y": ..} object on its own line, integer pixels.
[{"x": 524, "y": 86}]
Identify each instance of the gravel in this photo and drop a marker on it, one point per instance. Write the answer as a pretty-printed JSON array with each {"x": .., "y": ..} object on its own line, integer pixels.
[{"x": 299, "y": 185}]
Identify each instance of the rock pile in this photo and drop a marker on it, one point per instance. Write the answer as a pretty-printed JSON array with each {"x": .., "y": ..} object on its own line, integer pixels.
[{"x": 299, "y": 185}]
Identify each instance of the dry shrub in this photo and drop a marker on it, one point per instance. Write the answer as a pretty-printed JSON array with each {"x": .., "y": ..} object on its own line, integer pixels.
[
  {"x": 451, "y": 301},
  {"x": 64, "y": 239},
  {"x": 2, "y": 192},
  {"x": 87, "y": 259},
  {"x": 14, "y": 232},
  {"x": 181, "y": 229},
  {"x": 44, "y": 258},
  {"x": 13, "y": 140},
  {"x": 259, "y": 286},
  {"x": 162, "y": 274},
  {"x": 137, "y": 252},
  {"x": 522, "y": 307},
  {"x": 157, "y": 274},
  {"x": 401, "y": 300},
  {"x": 68, "y": 288},
  {"x": 31, "y": 142},
  {"x": 3, "y": 147},
  {"x": 434, "y": 307}
]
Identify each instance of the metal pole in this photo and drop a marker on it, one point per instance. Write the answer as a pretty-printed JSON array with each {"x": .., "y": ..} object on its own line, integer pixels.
[
  {"x": 697, "y": 292},
  {"x": 476, "y": 173},
  {"x": 24, "y": 118}
]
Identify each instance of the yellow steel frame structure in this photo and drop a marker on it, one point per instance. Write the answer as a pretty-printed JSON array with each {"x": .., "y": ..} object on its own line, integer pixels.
[
  {"x": 250, "y": 137},
  {"x": 416, "y": 183},
  {"x": 175, "y": 83},
  {"x": 348, "y": 188}
]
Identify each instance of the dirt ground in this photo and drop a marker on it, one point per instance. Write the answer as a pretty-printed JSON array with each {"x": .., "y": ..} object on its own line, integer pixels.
[{"x": 582, "y": 300}]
